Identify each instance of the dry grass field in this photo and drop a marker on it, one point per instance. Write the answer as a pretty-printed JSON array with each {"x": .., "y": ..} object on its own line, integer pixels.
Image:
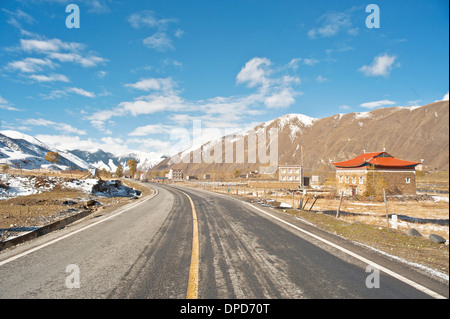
[{"x": 48, "y": 173}]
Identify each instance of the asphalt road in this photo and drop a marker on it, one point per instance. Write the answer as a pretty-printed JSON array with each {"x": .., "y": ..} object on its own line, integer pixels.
[{"x": 144, "y": 250}]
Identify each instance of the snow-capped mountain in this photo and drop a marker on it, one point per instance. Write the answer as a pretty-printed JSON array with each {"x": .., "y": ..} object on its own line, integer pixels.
[
  {"x": 109, "y": 161},
  {"x": 24, "y": 151},
  {"x": 417, "y": 133}
]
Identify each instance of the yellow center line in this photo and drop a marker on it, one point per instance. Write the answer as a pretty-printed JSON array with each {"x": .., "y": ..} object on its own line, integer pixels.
[{"x": 192, "y": 291}]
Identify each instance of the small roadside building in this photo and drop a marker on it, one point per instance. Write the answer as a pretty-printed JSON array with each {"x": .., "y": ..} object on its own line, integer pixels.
[
  {"x": 290, "y": 173},
  {"x": 370, "y": 173},
  {"x": 175, "y": 174}
]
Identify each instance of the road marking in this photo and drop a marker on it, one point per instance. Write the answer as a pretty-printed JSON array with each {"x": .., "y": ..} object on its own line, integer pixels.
[
  {"x": 74, "y": 232},
  {"x": 192, "y": 291},
  {"x": 367, "y": 261}
]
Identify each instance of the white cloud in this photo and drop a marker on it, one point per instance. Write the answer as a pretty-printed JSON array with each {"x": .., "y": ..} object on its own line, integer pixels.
[
  {"x": 56, "y": 49},
  {"x": 5, "y": 105},
  {"x": 150, "y": 129},
  {"x": 81, "y": 92},
  {"x": 147, "y": 18},
  {"x": 66, "y": 128},
  {"x": 57, "y": 94},
  {"x": 282, "y": 99},
  {"x": 105, "y": 115},
  {"x": 29, "y": 65},
  {"x": 172, "y": 62},
  {"x": 45, "y": 46},
  {"x": 375, "y": 104},
  {"x": 92, "y": 6},
  {"x": 159, "y": 41},
  {"x": 294, "y": 63},
  {"x": 69, "y": 142},
  {"x": 151, "y": 104},
  {"x": 54, "y": 94},
  {"x": 321, "y": 79},
  {"x": 445, "y": 98},
  {"x": 101, "y": 126},
  {"x": 156, "y": 84},
  {"x": 8, "y": 108},
  {"x": 86, "y": 61},
  {"x": 332, "y": 23},
  {"x": 273, "y": 90},
  {"x": 49, "y": 78},
  {"x": 101, "y": 74},
  {"x": 310, "y": 61},
  {"x": 288, "y": 79},
  {"x": 3, "y": 100},
  {"x": 179, "y": 33},
  {"x": 97, "y": 6},
  {"x": 381, "y": 66},
  {"x": 114, "y": 145},
  {"x": 15, "y": 18},
  {"x": 254, "y": 72}
]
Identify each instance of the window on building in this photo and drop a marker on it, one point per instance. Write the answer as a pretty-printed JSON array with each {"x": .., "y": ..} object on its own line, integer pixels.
[
  {"x": 341, "y": 179},
  {"x": 408, "y": 180},
  {"x": 347, "y": 179},
  {"x": 361, "y": 179},
  {"x": 354, "y": 179},
  {"x": 290, "y": 171},
  {"x": 297, "y": 171}
]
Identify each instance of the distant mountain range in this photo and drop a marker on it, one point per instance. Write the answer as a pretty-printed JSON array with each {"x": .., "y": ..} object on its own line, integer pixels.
[
  {"x": 415, "y": 133},
  {"x": 23, "y": 151},
  {"x": 109, "y": 161}
]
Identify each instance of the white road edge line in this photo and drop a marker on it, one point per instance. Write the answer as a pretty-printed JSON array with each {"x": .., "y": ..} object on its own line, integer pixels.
[
  {"x": 74, "y": 232},
  {"x": 367, "y": 261}
]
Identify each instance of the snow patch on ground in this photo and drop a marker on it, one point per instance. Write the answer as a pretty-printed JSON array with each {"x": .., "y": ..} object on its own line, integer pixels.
[
  {"x": 84, "y": 185},
  {"x": 362, "y": 115},
  {"x": 416, "y": 265},
  {"x": 284, "y": 205},
  {"x": 110, "y": 188},
  {"x": 440, "y": 198},
  {"x": 14, "y": 186}
]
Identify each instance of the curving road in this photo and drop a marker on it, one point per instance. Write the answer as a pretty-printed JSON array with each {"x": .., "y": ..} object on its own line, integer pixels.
[{"x": 144, "y": 250}]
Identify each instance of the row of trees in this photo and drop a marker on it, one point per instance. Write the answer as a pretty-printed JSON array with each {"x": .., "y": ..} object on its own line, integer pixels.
[
  {"x": 132, "y": 168},
  {"x": 54, "y": 157}
]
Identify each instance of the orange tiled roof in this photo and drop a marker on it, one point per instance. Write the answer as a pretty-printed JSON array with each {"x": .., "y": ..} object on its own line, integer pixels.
[{"x": 374, "y": 158}]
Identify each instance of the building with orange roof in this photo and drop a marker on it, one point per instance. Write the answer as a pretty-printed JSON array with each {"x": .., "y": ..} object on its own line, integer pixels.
[{"x": 370, "y": 173}]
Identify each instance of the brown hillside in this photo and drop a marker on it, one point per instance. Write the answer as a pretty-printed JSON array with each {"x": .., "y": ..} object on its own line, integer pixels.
[{"x": 411, "y": 133}]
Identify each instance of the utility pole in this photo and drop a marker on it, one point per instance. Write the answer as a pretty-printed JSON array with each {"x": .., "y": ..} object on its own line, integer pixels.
[
  {"x": 386, "y": 208},
  {"x": 301, "y": 169},
  {"x": 339, "y": 207}
]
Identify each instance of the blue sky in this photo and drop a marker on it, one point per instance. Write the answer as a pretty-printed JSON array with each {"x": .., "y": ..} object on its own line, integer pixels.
[{"x": 136, "y": 70}]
